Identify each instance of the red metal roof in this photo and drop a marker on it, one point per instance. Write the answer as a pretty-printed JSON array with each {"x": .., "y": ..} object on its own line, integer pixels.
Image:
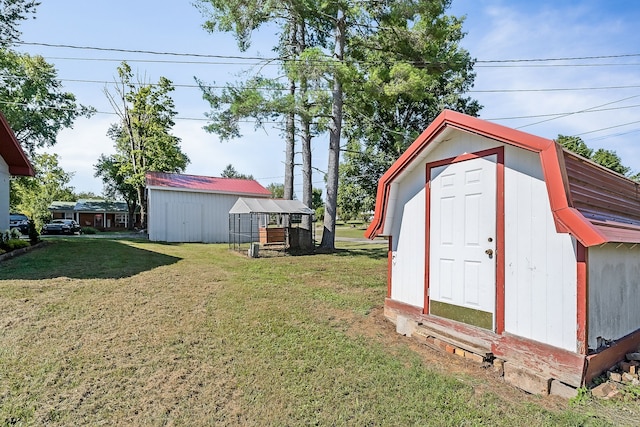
[
  {"x": 206, "y": 184},
  {"x": 590, "y": 202},
  {"x": 12, "y": 152}
]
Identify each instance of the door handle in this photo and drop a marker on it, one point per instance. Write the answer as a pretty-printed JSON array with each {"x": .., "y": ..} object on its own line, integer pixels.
[{"x": 489, "y": 252}]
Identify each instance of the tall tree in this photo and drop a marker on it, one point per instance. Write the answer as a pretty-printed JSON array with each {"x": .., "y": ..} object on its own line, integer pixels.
[
  {"x": 12, "y": 12},
  {"x": 299, "y": 24},
  {"x": 33, "y": 100},
  {"x": 400, "y": 57},
  {"x": 32, "y": 196},
  {"x": 142, "y": 137},
  {"x": 412, "y": 68}
]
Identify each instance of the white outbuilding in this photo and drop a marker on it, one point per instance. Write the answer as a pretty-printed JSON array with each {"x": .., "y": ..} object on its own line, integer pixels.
[
  {"x": 505, "y": 245},
  {"x": 192, "y": 208}
]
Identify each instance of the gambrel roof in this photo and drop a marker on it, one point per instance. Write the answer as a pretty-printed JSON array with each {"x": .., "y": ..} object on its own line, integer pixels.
[{"x": 590, "y": 202}]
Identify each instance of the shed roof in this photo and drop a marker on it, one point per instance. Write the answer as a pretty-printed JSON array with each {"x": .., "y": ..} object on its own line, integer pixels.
[
  {"x": 592, "y": 203},
  {"x": 205, "y": 184},
  {"x": 267, "y": 206},
  {"x": 12, "y": 152}
]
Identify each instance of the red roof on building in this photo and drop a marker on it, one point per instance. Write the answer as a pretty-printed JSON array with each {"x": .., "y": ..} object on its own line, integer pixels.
[
  {"x": 12, "y": 152},
  {"x": 590, "y": 202},
  {"x": 206, "y": 184}
]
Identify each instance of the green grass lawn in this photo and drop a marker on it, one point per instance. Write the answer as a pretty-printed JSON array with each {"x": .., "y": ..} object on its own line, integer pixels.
[{"x": 108, "y": 332}]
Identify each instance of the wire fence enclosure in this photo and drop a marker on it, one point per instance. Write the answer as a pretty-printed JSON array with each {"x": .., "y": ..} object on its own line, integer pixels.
[{"x": 267, "y": 227}]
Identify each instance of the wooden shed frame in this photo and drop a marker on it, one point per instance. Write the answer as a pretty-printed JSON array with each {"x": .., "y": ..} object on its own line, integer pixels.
[{"x": 598, "y": 209}]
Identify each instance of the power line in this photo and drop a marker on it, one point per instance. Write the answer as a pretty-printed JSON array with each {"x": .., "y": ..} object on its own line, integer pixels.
[{"x": 279, "y": 58}]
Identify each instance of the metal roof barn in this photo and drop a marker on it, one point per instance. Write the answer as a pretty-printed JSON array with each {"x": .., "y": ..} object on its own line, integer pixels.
[{"x": 192, "y": 208}]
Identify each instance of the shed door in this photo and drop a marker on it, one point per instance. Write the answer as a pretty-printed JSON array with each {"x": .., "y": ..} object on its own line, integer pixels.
[
  {"x": 462, "y": 241},
  {"x": 183, "y": 222}
]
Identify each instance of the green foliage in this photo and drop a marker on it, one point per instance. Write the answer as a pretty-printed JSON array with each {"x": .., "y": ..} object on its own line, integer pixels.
[
  {"x": 12, "y": 12},
  {"x": 34, "y": 236},
  {"x": 411, "y": 68},
  {"x": 575, "y": 144},
  {"x": 33, "y": 195},
  {"x": 89, "y": 230},
  {"x": 259, "y": 98},
  {"x": 610, "y": 160},
  {"x": 142, "y": 138},
  {"x": 231, "y": 172},
  {"x": 277, "y": 190},
  {"x": 10, "y": 240},
  {"x": 35, "y": 104},
  {"x": 582, "y": 398}
]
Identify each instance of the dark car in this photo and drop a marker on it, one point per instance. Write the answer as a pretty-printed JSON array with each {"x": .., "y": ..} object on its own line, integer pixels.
[
  {"x": 19, "y": 221},
  {"x": 61, "y": 226}
]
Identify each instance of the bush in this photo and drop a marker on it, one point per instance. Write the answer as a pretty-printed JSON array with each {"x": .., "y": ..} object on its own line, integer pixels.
[
  {"x": 13, "y": 244},
  {"x": 89, "y": 230},
  {"x": 34, "y": 236}
]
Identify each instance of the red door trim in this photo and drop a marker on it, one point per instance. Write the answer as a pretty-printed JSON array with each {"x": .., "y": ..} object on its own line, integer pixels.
[
  {"x": 499, "y": 153},
  {"x": 582, "y": 299}
]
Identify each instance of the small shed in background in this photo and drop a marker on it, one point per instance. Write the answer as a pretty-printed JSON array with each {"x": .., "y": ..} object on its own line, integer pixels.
[
  {"x": 193, "y": 208},
  {"x": 506, "y": 245},
  {"x": 270, "y": 223}
]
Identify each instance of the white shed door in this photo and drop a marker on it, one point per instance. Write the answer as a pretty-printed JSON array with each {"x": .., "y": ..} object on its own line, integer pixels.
[
  {"x": 184, "y": 222},
  {"x": 462, "y": 241}
]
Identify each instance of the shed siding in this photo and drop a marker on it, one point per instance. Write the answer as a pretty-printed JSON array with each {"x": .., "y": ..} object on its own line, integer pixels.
[
  {"x": 5, "y": 177},
  {"x": 409, "y": 221},
  {"x": 614, "y": 292},
  {"x": 180, "y": 216},
  {"x": 540, "y": 264}
]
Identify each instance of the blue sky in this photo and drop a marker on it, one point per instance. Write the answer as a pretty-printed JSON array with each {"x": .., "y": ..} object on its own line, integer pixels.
[{"x": 597, "y": 98}]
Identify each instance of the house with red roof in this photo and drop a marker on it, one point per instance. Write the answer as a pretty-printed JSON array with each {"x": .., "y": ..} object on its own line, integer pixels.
[
  {"x": 506, "y": 246},
  {"x": 193, "y": 208},
  {"x": 13, "y": 162}
]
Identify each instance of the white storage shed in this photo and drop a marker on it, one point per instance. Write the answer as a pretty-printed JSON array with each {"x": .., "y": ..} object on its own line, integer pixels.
[
  {"x": 192, "y": 208},
  {"x": 506, "y": 245}
]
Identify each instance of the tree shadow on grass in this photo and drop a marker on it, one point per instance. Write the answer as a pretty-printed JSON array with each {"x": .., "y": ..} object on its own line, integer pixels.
[
  {"x": 358, "y": 250},
  {"x": 83, "y": 259}
]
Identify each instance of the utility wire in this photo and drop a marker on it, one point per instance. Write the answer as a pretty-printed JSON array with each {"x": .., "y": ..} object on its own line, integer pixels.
[{"x": 277, "y": 58}]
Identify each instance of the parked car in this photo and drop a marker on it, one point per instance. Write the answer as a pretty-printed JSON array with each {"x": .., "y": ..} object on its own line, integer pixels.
[
  {"x": 19, "y": 221},
  {"x": 61, "y": 226}
]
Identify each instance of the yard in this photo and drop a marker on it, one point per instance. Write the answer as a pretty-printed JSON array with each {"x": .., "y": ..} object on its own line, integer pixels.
[{"x": 127, "y": 332}]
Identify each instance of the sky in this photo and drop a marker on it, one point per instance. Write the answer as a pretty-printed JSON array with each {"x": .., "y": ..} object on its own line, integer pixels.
[{"x": 544, "y": 67}]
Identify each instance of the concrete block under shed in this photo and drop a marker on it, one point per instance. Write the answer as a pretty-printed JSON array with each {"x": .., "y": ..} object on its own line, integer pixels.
[
  {"x": 526, "y": 380},
  {"x": 405, "y": 325},
  {"x": 559, "y": 388}
]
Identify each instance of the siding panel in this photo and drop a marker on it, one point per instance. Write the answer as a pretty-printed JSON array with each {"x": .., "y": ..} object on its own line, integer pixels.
[
  {"x": 540, "y": 267},
  {"x": 614, "y": 292}
]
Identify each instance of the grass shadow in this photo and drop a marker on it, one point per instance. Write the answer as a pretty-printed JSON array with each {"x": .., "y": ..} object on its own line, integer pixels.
[
  {"x": 350, "y": 249},
  {"x": 83, "y": 259}
]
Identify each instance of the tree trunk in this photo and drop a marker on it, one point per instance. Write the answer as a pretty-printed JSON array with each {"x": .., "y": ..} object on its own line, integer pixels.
[
  {"x": 142, "y": 201},
  {"x": 330, "y": 209},
  {"x": 305, "y": 134},
  {"x": 290, "y": 130}
]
